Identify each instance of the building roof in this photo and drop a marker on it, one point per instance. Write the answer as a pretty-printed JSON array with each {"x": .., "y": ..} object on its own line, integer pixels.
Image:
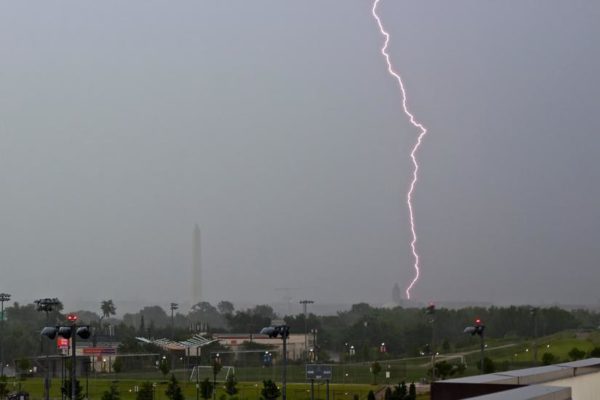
[
  {"x": 526, "y": 376},
  {"x": 194, "y": 342},
  {"x": 588, "y": 362},
  {"x": 487, "y": 378},
  {"x": 529, "y": 393}
]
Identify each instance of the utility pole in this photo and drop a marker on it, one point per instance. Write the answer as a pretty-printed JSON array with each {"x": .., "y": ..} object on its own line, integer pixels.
[
  {"x": 431, "y": 312},
  {"x": 3, "y": 297},
  {"x": 284, "y": 332},
  {"x": 478, "y": 329},
  {"x": 174, "y": 306},
  {"x": 73, "y": 319},
  {"x": 534, "y": 312},
  {"x": 70, "y": 331},
  {"x": 305, "y": 303},
  {"x": 47, "y": 305}
]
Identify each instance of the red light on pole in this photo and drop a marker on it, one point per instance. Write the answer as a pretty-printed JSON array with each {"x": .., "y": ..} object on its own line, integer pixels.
[
  {"x": 72, "y": 317},
  {"x": 478, "y": 321}
]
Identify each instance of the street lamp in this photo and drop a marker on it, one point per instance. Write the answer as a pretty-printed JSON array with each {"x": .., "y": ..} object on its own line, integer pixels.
[
  {"x": 430, "y": 310},
  {"x": 305, "y": 303},
  {"x": 47, "y": 305},
  {"x": 3, "y": 297},
  {"x": 534, "y": 311},
  {"x": 70, "y": 331},
  {"x": 174, "y": 306},
  {"x": 314, "y": 344},
  {"x": 477, "y": 329},
  {"x": 284, "y": 332},
  {"x": 216, "y": 368}
]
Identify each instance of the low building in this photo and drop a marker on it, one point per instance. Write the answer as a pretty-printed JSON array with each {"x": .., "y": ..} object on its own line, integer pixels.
[
  {"x": 578, "y": 380},
  {"x": 296, "y": 343}
]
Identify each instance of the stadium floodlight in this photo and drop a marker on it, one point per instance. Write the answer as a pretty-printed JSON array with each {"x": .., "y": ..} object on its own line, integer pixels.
[
  {"x": 69, "y": 332},
  {"x": 50, "y": 332},
  {"x": 284, "y": 332},
  {"x": 477, "y": 329}
]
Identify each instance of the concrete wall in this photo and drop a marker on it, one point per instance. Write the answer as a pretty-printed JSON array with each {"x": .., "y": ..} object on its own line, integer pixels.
[{"x": 583, "y": 387}]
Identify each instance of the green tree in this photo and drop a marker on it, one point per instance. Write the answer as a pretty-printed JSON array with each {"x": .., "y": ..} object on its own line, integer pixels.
[
  {"x": 595, "y": 352},
  {"x": 108, "y": 308},
  {"x": 174, "y": 391},
  {"x": 146, "y": 392},
  {"x": 117, "y": 365},
  {"x": 270, "y": 391},
  {"x": 3, "y": 387},
  {"x": 164, "y": 367},
  {"x": 460, "y": 368},
  {"x": 548, "y": 358},
  {"x": 230, "y": 385},
  {"x": 400, "y": 391},
  {"x": 112, "y": 393},
  {"x": 576, "y": 354},
  {"x": 488, "y": 366},
  {"x": 375, "y": 370},
  {"x": 23, "y": 366},
  {"x": 412, "y": 392},
  {"x": 387, "y": 395},
  {"x": 443, "y": 369},
  {"x": 225, "y": 307},
  {"x": 67, "y": 390},
  {"x": 206, "y": 388}
]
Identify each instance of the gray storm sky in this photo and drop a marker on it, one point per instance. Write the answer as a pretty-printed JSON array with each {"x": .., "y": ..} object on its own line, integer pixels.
[{"x": 275, "y": 127}]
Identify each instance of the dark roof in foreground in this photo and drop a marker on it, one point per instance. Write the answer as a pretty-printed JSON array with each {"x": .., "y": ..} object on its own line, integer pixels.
[{"x": 529, "y": 393}]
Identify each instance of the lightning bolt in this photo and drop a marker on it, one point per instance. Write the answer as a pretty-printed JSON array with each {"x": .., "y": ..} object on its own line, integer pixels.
[{"x": 422, "y": 133}]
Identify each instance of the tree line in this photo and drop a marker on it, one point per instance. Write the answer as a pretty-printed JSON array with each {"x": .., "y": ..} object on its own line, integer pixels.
[{"x": 405, "y": 331}]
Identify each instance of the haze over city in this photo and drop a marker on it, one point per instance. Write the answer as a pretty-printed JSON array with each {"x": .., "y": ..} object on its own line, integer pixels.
[{"x": 275, "y": 128}]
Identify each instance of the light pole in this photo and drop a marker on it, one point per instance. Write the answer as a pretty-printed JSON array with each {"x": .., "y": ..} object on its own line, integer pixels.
[
  {"x": 305, "y": 304},
  {"x": 216, "y": 368},
  {"x": 478, "y": 329},
  {"x": 47, "y": 305},
  {"x": 3, "y": 297},
  {"x": 315, "y": 345},
  {"x": 174, "y": 306},
  {"x": 534, "y": 311},
  {"x": 70, "y": 331},
  {"x": 284, "y": 332},
  {"x": 430, "y": 310}
]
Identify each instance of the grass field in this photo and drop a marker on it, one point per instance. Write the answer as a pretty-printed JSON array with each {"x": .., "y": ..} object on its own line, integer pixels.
[
  {"x": 247, "y": 390},
  {"x": 348, "y": 379}
]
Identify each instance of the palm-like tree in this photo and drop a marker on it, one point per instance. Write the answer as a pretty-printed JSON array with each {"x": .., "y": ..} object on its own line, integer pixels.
[{"x": 108, "y": 308}]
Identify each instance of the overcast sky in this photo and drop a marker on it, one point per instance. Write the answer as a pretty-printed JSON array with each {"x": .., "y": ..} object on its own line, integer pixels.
[{"x": 275, "y": 127}]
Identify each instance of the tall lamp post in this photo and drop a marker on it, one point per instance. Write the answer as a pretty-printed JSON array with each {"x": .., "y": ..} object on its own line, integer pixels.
[
  {"x": 3, "y": 297},
  {"x": 430, "y": 310},
  {"x": 216, "y": 369},
  {"x": 70, "y": 331},
  {"x": 534, "y": 311},
  {"x": 478, "y": 329},
  {"x": 174, "y": 306},
  {"x": 315, "y": 345},
  {"x": 284, "y": 332},
  {"x": 305, "y": 304},
  {"x": 47, "y": 306}
]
